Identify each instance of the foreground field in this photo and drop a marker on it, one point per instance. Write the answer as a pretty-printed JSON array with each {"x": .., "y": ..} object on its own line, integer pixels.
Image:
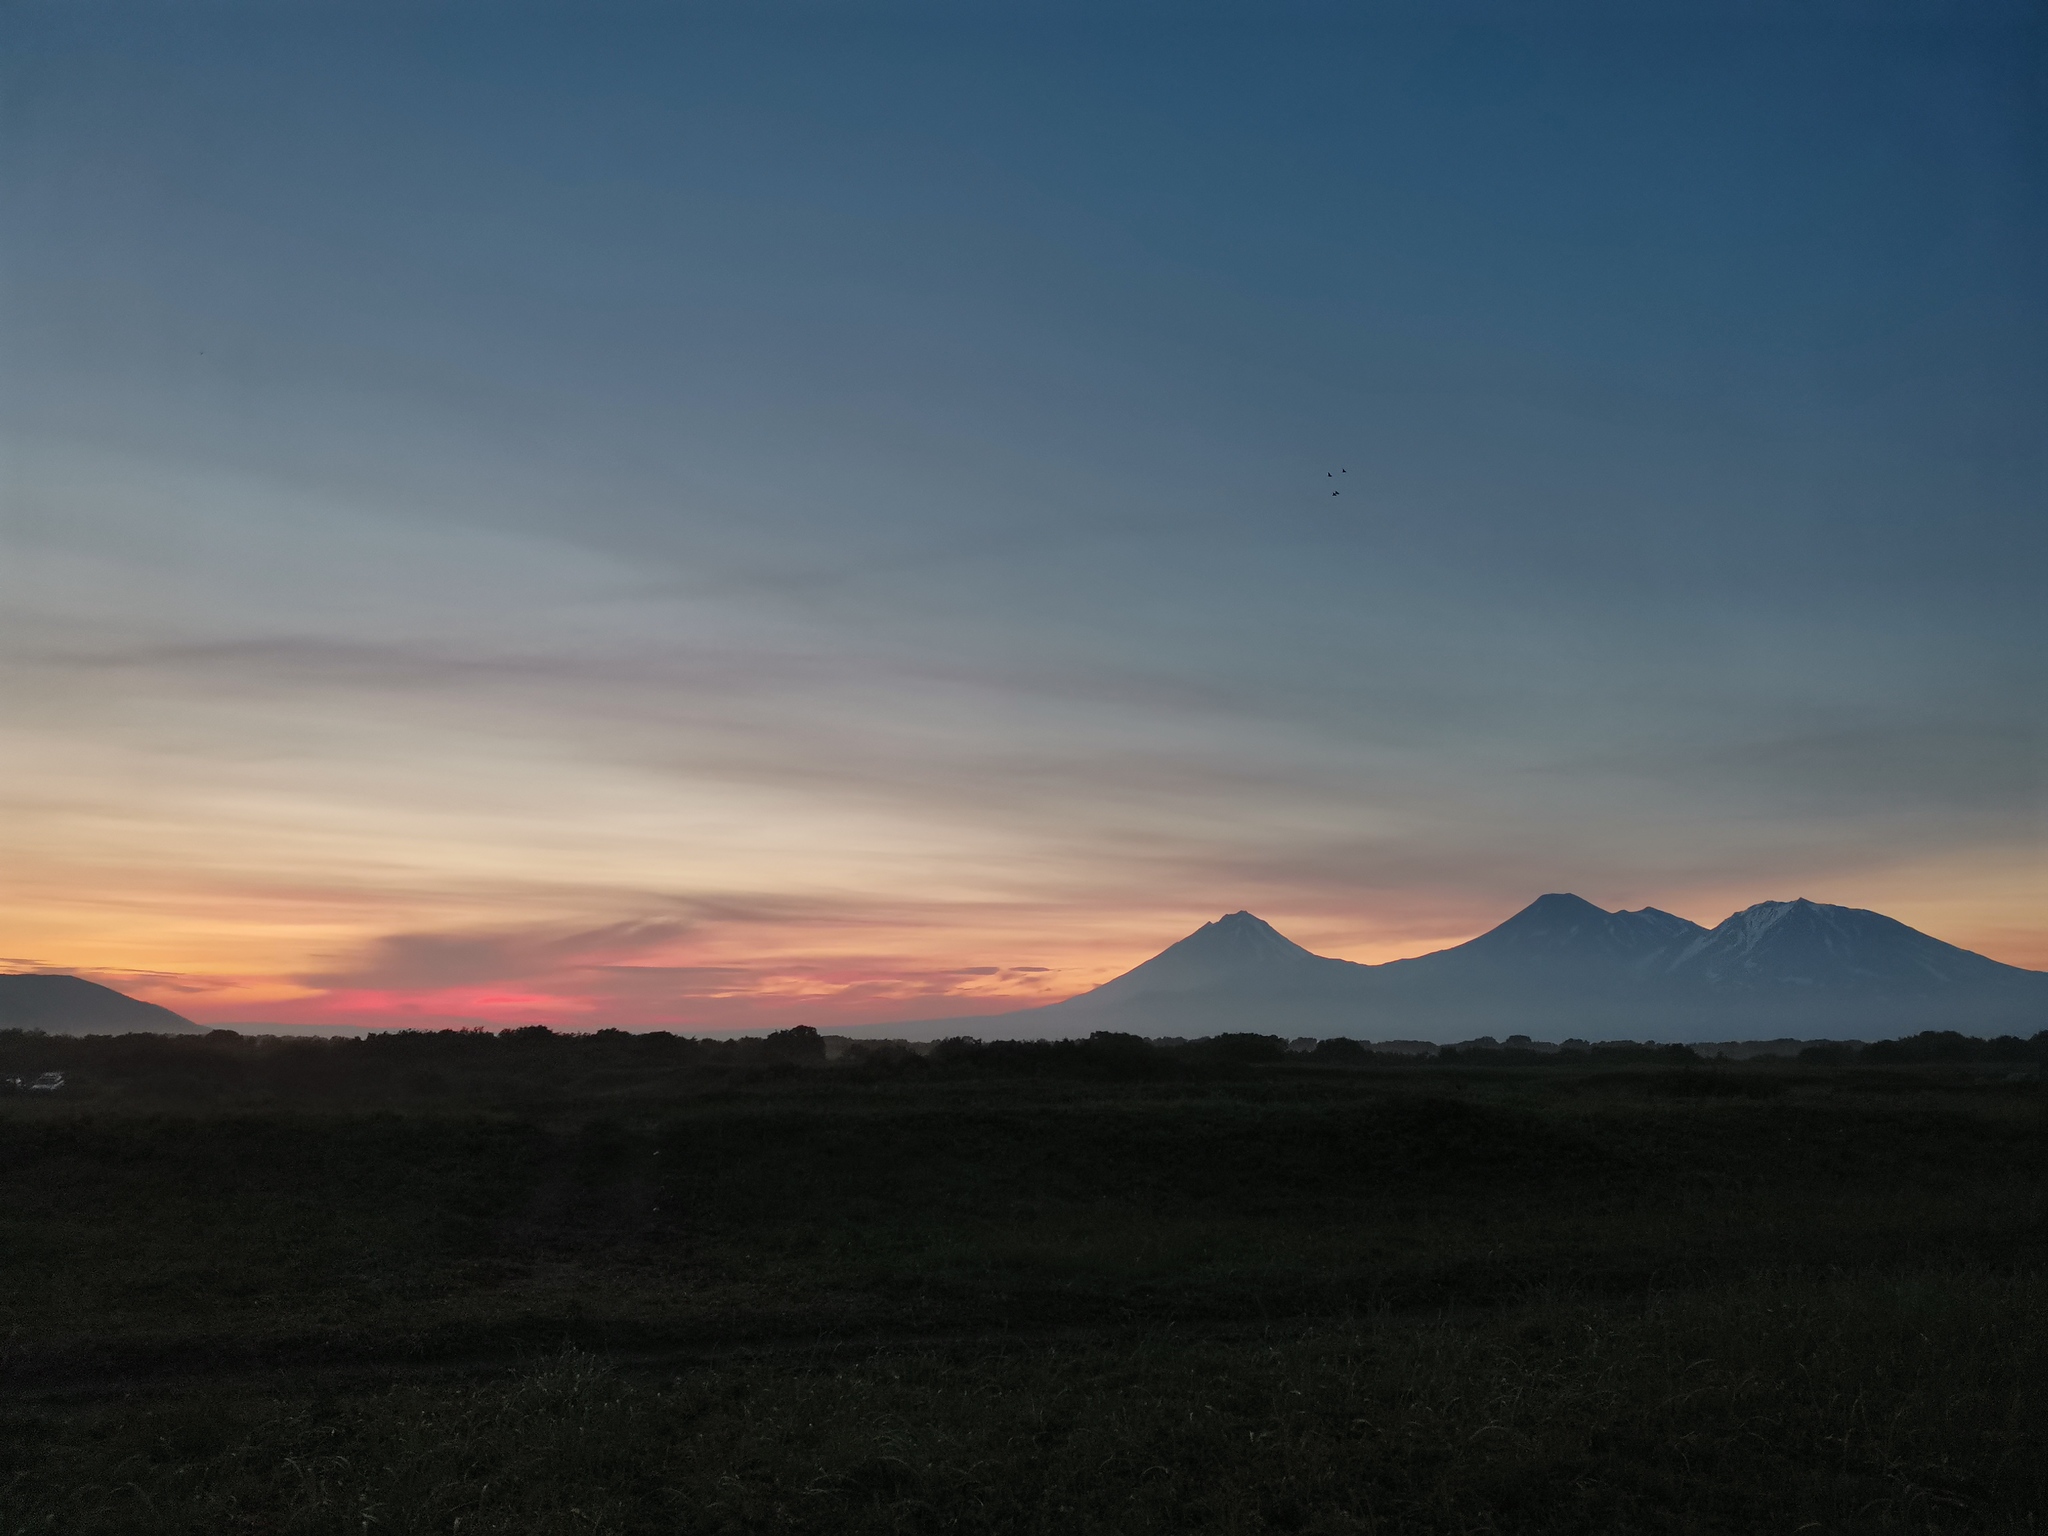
[{"x": 557, "y": 1286}]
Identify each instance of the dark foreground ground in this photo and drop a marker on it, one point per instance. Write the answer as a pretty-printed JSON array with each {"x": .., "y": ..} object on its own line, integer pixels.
[{"x": 539, "y": 1285}]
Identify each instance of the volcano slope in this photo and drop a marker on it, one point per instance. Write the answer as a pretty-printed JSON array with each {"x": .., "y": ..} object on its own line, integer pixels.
[
  {"x": 1560, "y": 967},
  {"x": 633, "y": 1284}
]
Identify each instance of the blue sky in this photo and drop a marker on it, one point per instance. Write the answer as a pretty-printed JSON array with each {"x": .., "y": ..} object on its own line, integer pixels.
[{"x": 712, "y": 514}]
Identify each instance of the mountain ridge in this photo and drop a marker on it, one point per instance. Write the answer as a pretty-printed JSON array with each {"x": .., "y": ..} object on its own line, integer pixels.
[{"x": 1559, "y": 965}]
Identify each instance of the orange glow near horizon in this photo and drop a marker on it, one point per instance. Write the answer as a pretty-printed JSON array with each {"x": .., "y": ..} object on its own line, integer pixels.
[
  {"x": 323, "y": 959},
  {"x": 421, "y": 877},
  {"x": 465, "y": 585}
]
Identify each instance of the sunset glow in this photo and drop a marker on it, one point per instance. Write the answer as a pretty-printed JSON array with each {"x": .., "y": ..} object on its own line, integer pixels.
[{"x": 669, "y": 527}]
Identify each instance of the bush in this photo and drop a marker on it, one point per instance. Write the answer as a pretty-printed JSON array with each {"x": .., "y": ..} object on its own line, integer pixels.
[
  {"x": 802, "y": 1044},
  {"x": 1946, "y": 1045},
  {"x": 1341, "y": 1052},
  {"x": 1247, "y": 1048}
]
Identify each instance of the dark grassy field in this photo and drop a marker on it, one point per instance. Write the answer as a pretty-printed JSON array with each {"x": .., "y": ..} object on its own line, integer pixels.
[{"x": 537, "y": 1284}]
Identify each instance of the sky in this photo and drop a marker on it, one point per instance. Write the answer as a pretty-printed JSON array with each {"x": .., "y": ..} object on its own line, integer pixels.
[{"x": 728, "y": 516}]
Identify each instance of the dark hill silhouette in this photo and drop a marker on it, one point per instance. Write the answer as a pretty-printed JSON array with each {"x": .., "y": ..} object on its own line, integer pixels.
[
  {"x": 1560, "y": 967},
  {"x": 71, "y": 1005}
]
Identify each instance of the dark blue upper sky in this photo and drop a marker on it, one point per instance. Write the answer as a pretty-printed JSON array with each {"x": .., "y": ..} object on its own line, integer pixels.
[{"x": 917, "y": 418}]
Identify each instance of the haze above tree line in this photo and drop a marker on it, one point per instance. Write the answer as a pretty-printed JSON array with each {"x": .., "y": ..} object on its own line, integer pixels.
[{"x": 1562, "y": 966}]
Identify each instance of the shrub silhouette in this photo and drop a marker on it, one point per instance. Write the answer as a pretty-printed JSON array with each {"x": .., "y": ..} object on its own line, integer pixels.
[
  {"x": 1340, "y": 1051},
  {"x": 1247, "y": 1048},
  {"x": 802, "y": 1044}
]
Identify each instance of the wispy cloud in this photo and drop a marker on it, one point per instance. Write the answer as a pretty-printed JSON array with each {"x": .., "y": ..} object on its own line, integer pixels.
[
  {"x": 616, "y": 975},
  {"x": 736, "y": 583},
  {"x": 405, "y": 961}
]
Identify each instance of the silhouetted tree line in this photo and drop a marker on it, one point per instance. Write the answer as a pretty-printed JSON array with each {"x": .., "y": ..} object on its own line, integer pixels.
[
  {"x": 400, "y": 1065},
  {"x": 536, "y": 1062},
  {"x": 1614, "y": 1053},
  {"x": 1930, "y": 1048},
  {"x": 1104, "y": 1055}
]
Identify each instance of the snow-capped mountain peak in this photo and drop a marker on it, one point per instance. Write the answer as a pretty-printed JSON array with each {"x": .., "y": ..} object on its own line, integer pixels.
[{"x": 1802, "y": 943}]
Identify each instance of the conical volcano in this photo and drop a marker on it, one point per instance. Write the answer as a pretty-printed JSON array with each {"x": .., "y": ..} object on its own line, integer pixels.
[
  {"x": 1237, "y": 973},
  {"x": 1235, "y": 949}
]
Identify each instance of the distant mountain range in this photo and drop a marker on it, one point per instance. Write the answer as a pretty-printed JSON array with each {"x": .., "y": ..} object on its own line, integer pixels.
[
  {"x": 71, "y": 1005},
  {"x": 1561, "y": 967}
]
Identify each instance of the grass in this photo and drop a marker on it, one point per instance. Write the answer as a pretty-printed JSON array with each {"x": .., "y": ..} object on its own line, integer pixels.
[{"x": 733, "y": 1294}]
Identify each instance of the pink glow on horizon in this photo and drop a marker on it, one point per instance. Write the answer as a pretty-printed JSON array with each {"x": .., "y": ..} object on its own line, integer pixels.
[
  {"x": 504, "y": 1007},
  {"x": 824, "y": 993},
  {"x": 752, "y": 975},
  {"x": 493, "y": 1004}
]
